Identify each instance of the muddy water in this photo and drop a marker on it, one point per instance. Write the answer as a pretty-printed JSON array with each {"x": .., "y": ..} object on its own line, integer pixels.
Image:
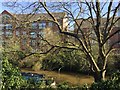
[{"x": 71, "y": 78}]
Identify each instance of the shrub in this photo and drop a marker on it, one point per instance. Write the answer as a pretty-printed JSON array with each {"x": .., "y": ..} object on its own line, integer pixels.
[
  {"x": 66, "y": 60},
  {"x": 11, "y": 77},
  {"x": 112, "y": 84},
  {"x": 117, "y": 62},
  {"x": 113, "y": 64},
  {"x": 33, "y": 61},
  {"x": 63, "y": 85},
  {"x": 36, "y": 66}
]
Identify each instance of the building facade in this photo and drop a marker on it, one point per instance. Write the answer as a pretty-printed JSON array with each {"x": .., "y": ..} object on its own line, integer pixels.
[
  {"x": 87, "y": 28},
  {"x": 29, "y": 30}
]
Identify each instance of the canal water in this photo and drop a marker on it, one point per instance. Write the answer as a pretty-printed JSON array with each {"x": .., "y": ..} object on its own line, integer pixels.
[{"x": 71, "y": 78}]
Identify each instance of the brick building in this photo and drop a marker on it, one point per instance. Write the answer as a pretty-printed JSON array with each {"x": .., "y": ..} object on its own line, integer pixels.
[
  {"x": 87, "y": 28},
  {"x": 28, "y": 29}
]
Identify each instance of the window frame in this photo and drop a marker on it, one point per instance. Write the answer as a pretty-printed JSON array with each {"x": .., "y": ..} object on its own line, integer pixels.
[
  {"x": 32, "y": 41},
  {"x": 8, "y": 26},
  {"x": 33, "y": 34},
  {"x": 8, "y": 34},
  {"x": 34, "y": 25},
  {"x": 42, "y": 25},
  {"x": 24, "y": 41},
  {"x": 17, "y": 33},
  {"x": 50, "y": 24}
]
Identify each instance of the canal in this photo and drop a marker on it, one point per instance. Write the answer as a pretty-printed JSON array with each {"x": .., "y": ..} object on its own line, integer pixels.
[{"x": 72, "y": 78}]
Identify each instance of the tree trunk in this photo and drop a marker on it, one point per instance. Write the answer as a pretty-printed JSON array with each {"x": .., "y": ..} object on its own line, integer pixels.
[{"x": 99, "y": 76}]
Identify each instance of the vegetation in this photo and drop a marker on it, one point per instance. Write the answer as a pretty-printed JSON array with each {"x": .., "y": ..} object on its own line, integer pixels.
[
  {"x": 14, "y": 57},
  {"x": 111, "y": 84},
  {"x": 90, "y": 59},
  {"x": 113, "y": 64},
  {"x": 82, "y": 15},
  {"x": 11, "y": 77},
  {"x": 66, "y": 60},
  {"x": 94, "y": 12}
]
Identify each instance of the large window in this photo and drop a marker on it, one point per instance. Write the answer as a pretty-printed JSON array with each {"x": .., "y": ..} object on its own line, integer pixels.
[
  {"x": 33, "y": 34},
  {"x": 118, "y": 44},
  {"x": 17, "y": 33},
  {"x": 24, "y": 41},
  {"x": 24, "y": 33},
  {"x": 34, "y": 25},
  {"x": 119, "y": 32},
  {"x": 41, "y": 34},
  {"x": 5, "y": 17},
  {"x": 8, "y": 26},
  {"x": 1, "y": 33},
  {"x": 50, "y": 24},
  {"x": 32, "y": 42},
  {"x": 42, "y": 25},
  {"x": 2, "y": 26},
  {"x": 8, "y": 34}
]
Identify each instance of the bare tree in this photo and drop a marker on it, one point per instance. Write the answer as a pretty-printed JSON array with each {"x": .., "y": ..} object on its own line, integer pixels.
[
  {"x": 89, "y": 14},
  {"x": 95, "y": 14}
]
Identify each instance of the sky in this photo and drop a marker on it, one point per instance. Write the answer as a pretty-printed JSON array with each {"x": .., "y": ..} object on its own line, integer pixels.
[{"x": 2, "y": 7}]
